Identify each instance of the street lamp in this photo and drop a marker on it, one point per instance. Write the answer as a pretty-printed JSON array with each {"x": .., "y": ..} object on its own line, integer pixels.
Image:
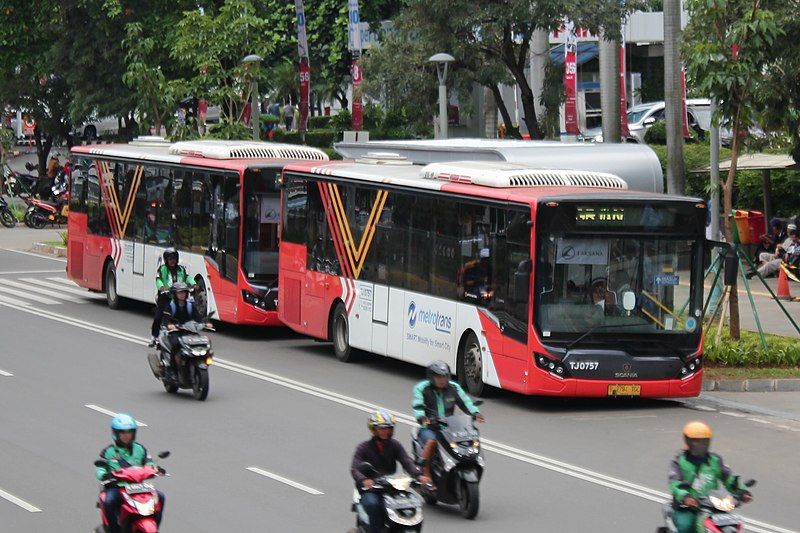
[
  {"x": 441, "y": 59},
  {"x": 255, "y": 105}
]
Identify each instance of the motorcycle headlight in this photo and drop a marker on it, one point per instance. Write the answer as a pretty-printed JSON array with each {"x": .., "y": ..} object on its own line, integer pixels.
[
  {"x": 405, "y": 516},
  {"x": 725, "y": 504},
  {"x": 199, "y": 351}
]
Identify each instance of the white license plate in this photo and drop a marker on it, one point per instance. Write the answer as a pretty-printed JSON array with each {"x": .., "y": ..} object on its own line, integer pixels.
[{"x": 138, "y": 488}]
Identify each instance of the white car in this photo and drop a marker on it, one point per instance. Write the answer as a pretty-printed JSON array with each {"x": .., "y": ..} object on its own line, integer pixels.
[
  {"x": 97, "y": 129},
  {"x": 642, "y": 116}
]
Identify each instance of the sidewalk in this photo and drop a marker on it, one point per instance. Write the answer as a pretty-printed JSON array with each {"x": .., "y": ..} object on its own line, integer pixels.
[
  {"x": 23, "y": 237},
  {"x": 785, "y": 405}
]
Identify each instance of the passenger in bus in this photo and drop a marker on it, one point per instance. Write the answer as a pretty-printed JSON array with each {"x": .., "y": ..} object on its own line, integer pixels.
[
  {"x": 476, "y": 278},
  {"x": 169, "y": 273},
  {"x": 601, "y": 296}
]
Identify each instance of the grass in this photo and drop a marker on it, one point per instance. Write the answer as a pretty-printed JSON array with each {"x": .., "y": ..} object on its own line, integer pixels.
[
  {"x": 53, "y": 243},
  {"x": 715, "y": 372}
]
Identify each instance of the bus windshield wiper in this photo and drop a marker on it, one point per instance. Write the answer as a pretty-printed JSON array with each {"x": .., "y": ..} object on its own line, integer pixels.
[{"x": 595, "y": 328}]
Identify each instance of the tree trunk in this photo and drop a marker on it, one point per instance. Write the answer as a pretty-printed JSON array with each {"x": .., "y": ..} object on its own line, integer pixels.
[
  {"x": 609, "y": 89},
  {"x": 727, "y": 192},
  {"x": 526, "y": 97},
  {"x": 489, "y": 114},
  {"x": 511, "y": 131},
  {"x": 540, "y": 56},
  {"x": 676, "y": 174}
]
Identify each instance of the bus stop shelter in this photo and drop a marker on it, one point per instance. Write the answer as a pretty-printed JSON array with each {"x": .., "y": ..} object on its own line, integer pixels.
[{"x": 766, "y": 163}]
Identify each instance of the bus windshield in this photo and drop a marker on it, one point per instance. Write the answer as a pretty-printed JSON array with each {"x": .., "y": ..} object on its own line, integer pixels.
[
  {"x": 262, "y": 214},
  {"x": 617, "y": 271}
]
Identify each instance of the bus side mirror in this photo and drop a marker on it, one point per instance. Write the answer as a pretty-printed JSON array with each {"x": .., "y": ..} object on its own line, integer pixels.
[{"x": 522, "y": 282}]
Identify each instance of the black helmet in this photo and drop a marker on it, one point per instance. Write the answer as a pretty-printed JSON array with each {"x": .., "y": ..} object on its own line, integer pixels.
[
  {"x": 170, "y": 253},
  {"x": 179, "y": 287},
  {"x": 438, "y": 368}
]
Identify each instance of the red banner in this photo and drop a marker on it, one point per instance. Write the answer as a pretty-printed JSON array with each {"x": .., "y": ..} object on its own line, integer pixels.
[
  {"x": 684, "y": 114},
  {"x": 305, "y": 81},
  {"x": 623, "y": 97},
  {"x": 571, "y": 80},
  {"x": 358, "y": 115}
]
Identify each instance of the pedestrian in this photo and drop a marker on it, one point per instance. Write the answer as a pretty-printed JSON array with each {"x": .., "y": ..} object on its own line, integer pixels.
[{"x": 288, "y": 115}]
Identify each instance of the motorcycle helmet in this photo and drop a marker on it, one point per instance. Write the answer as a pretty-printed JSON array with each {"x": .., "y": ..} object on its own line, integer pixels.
[
  {"x": 697, "y": 436},
  {"x": 179, "y": 286},
  {"x": 381, "y": 419},
  {"x": 437, "y": 368},
  {"x": 122, "y": 422},
  {"x": 170, "y": 253}
]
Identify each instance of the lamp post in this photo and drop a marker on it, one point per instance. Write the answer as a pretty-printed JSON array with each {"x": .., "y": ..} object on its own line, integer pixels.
[
  {"x": 255, "y": 105},
  {"x": 441, "y": 59}
]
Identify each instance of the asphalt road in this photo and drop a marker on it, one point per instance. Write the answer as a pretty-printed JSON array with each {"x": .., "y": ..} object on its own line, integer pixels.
[{"x": 282, "y": 404}]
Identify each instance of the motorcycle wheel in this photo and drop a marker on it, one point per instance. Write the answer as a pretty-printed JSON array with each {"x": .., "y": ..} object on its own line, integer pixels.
[
  {"x": 170, "y": 387},
  {"x": 468, "y": 499},
  {"x": 200, "y": 384},
  {"x": 28, "y": 220},
  {"x": 7, "y": 218},
  {"x": 38, "y": 221},
  {"x": 429, "y": 498}
]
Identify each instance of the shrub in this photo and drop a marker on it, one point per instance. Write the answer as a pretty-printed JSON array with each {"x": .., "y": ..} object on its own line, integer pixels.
[
  {"x": 747, "y": 351},
  {"x": 63, "y": 235},
  {"x": 230, "y": 131},
  {"x": 342, "y": 121},
  {"x": 319, "y": 122},
  {"x": 290, "y": 137},
  {"x": 657, "y": 133},
  {"x": 321, "y": 138}
]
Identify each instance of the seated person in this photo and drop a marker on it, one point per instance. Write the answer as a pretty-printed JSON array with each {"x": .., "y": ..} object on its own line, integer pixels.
[{"x": 601, "y": 296}]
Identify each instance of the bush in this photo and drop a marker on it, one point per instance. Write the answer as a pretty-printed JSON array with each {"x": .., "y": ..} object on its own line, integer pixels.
[
  {"x": 321, "y": 138},
  {"x": 290, "y": 137},
  {"x": 319, "y": 122},
  {"x": 781, "y": 352},
  {"x": 342, "y": 121},
  {"x": 229, "y": 131},
  {"x": 657, "y": 133}
]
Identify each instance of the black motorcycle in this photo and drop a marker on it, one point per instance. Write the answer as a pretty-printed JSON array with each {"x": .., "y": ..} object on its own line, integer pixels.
[
  {"x": 191, "y": 356},
  {"x": 403, "y": 506},
  {"x": 6, "y": 216},
  {"x": 457, "y": 465}
]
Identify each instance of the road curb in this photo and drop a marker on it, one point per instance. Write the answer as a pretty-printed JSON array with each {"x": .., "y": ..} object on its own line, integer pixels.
[
  {"x": 752, "y": 385},
  {"x": 49, "y": 249}
]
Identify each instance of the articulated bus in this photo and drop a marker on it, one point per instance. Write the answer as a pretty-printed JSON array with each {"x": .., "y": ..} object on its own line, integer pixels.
[
  {"x": 216, "y": 202},
  {"x": 543, "y": 281}
]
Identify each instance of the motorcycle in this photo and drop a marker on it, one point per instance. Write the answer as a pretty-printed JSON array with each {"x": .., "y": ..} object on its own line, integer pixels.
[
  {"x": 717, "y": 512},
  {"x": 41, "y": 212},
  {"x": 403, "y": 505},
  {"x": 140, "y": 501},
  {"x": 193, "y": 355},
  {"x": 6, "y": 216},
  {"x": 457, "y": 465}
]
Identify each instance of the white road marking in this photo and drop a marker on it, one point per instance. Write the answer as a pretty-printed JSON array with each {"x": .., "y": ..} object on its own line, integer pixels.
[
  {"x": 26, "y": 294},
  {"x": 37, "y": 291},
  {"x": 730, "y": 413},
  {"x": 110, "y": 413},
  {"x": 284, "y": 480},
  {"x": 30, "y": 272},
  {"x": 6, "y": 374},
  {"x": 40, "y": 256},
  {"x": 575, "y": 471},
  {"x": 12, "y": 302},
  {"x": 759, "y": 420},
  {"x": 19, "y": 502},
  {"x": 74, "y": 289},
  {"x": 703, "y": 408},
  {"x": 65, "y": 281}
]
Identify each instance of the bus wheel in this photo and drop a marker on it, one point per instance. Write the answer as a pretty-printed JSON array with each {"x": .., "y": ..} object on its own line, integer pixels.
[
  {"x": 340, "y": 334},
  {"x": 114, "y": 300},
  {"x": 470, "y": 365}
]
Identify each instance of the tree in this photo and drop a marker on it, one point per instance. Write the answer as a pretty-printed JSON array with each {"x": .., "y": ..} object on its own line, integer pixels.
[
  {"x": 729, "y": 46},
  {"x": 676, "y": 173}
]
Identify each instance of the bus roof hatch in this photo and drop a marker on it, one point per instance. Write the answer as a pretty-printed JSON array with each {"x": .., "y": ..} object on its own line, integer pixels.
[{"x": 246, "y": 150}]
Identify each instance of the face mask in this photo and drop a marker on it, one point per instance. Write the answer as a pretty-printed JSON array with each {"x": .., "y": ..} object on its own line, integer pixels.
[{"x": 699, "y": 448}]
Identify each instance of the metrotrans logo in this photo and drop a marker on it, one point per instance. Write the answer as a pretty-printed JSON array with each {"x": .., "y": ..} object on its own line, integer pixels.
[{"x": 439, "y": 321}]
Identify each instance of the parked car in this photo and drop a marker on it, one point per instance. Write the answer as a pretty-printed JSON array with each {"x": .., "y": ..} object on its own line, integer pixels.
[
  {"x": 642, "y": 116},
  {"x": 97, "y": 129}
]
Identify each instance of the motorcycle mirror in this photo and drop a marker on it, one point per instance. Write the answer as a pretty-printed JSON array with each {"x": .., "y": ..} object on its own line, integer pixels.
[
  {"x": 100, "y": 463},
  {"x": 750, "y": 483},
  {"x": 477, "y": 402},
  {"x": 163, "y": 455},
  {"x": 212, "y": 314}
]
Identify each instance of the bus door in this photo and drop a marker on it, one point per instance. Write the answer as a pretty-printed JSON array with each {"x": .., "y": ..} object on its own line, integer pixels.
[{"x": 224, "y": 249}]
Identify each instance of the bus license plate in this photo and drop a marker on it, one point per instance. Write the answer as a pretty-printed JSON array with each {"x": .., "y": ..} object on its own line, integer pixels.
[{"x": 624, "y": 390}]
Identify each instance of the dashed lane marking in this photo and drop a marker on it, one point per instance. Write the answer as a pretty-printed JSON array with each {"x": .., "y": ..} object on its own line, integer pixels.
[
  {"x": 19, "y": 502},
  {"x": 111, "y": 413},
  {"x": 285, "y": 481}
]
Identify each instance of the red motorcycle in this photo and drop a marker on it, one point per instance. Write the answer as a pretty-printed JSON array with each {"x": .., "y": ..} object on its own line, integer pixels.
[
  {"x": 140, "y": 501},
  {"x": 41, "y": 212}
]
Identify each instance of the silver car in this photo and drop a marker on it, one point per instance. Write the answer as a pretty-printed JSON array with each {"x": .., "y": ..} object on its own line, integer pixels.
[{"x": 642, "y": 116}]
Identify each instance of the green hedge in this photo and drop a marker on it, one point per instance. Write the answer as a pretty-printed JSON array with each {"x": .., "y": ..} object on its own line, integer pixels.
[
  {"x": 319, "y": 122},
  {"x": 747, "y": 351}
]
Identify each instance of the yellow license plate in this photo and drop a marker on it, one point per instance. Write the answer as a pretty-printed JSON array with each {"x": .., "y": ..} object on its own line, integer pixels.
[{"x": 624, "y": 390}]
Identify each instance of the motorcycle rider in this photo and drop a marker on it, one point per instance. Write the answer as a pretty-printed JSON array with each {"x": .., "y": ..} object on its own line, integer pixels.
[
  {"x": 382, "y": 452},
  {"x": 179, "y": 311},
  {"x": 437, "y": 394},
  {"x": 123, "y": 453},
  {"x": 168, "y": 273},
  {"x": 694, "y": 473}
]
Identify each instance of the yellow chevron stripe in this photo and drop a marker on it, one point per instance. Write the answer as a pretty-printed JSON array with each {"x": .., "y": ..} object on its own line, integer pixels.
[
  {"x": 344, "y": 226},
  {"x": 107, "y": 186},
  {"x": 126, "y": 217},
  {"x": 366, "y": 240}
]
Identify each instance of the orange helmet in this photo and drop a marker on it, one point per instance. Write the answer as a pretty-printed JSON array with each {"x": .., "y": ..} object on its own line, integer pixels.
[{"x": 697, "y": 430}]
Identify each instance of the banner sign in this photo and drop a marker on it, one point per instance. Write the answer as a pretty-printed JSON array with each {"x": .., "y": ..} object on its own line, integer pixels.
[
  {"x": 571, "y": 79},
  {"x": 684, "y": 115},
  {"x": 304, "y": 69},
  {"x": 358, "y": 112},
  {"x": 582, "y": 252},
  {"x": 353, "y": 27}
]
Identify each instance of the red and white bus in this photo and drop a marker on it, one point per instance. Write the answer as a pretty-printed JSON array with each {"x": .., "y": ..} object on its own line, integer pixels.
[
  {"x": 216, "y": 202},
  {"x": 540, "y": 281}
]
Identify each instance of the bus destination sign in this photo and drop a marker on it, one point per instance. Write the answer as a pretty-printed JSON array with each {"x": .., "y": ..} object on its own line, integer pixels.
[{"x": 599, "y": 216}]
